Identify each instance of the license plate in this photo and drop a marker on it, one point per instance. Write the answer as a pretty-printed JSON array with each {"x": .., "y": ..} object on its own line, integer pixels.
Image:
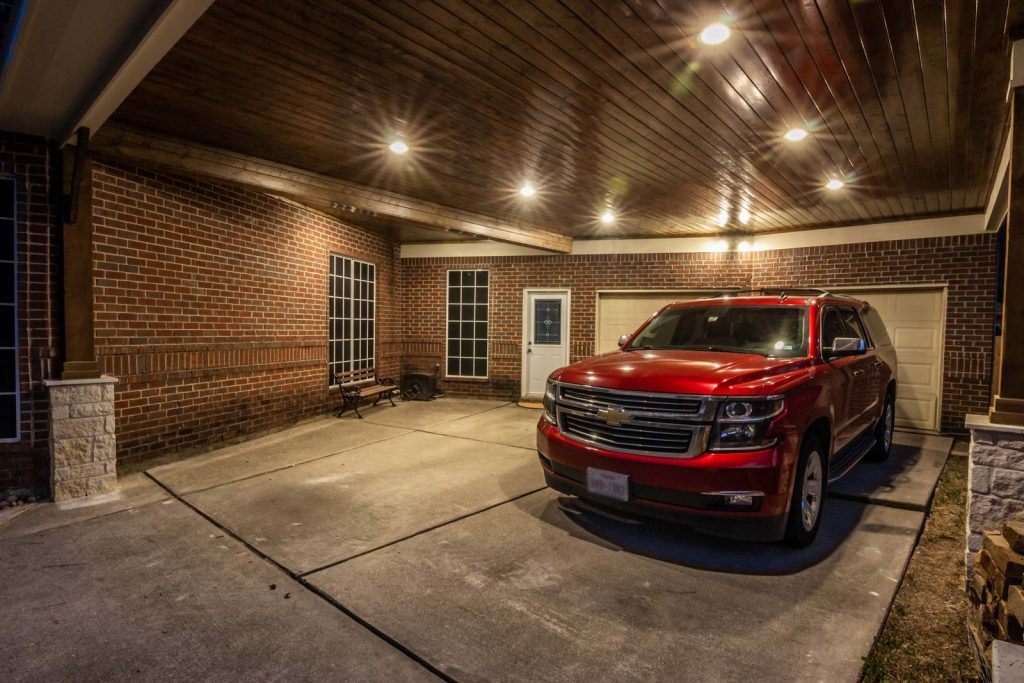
[{"x": 608, "y": 484}]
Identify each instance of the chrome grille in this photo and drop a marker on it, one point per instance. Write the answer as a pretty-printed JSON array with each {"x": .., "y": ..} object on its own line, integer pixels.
[
  {"x": 631, "y": 400},
  {"x": 667, "y": 425},
  {"x": 635, "y": 437}
]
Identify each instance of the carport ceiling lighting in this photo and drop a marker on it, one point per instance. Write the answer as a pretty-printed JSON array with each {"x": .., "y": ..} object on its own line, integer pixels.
[
  {"x": 834, "y": 184},
  {"x": 527, "y": 190},
  {"x": 715, "y": 34},
  {"x": 607, "y": 217},
  {"x": 795, "y": 134},
  {"x": 398, "y": 147}
]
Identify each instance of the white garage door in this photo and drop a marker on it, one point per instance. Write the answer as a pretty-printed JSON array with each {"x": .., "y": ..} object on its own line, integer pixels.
[
  {"x": 620, "y": 313},
  {"x": 914, "y": 319}
]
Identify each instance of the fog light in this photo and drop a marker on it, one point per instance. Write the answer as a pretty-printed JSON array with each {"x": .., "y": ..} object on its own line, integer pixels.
[{"x": 739, "y": 499}]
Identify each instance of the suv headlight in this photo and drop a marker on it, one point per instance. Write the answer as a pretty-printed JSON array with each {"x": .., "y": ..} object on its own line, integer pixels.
[
  {"x": 550, "y": 395},
  {"x": 742, "y": 424}
]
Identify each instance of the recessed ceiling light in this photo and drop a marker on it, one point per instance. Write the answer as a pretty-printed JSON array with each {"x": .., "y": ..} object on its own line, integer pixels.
[
  {"x": 715, "y": 34},
  {"x": 723, "y": 217},
  {"x": 607, "y": 217},
  {"x": 834, "y": 184},
  {"x": 527, "y": 190},
  {"x": 398, "y": 147},
  {"x": 795, "y": 134},
  {"x": 743, "y": 246},
  {"x": 744, "y": 216}
]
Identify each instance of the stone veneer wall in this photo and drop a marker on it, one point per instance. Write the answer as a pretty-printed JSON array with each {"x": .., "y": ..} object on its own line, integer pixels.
[
  {"x": 82, "y": 434},
  {"x": 996, "y": 478}
]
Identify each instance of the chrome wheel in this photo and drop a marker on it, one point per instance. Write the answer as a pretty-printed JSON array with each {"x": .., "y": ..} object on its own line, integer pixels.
[
  {"x": 810, "y": 498},
  {"x": 888, "y": 426}
]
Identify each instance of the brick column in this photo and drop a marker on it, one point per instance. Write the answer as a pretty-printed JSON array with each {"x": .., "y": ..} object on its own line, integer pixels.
[
  {"x": 996, "y": 477},
  {"x": 83, "y": 448}
]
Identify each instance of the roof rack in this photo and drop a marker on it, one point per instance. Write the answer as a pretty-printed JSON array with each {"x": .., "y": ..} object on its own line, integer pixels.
[{"x": 782, "y": 292}]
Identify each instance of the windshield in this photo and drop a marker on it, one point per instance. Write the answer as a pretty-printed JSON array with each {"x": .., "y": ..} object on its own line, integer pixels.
[{"x": 773, "y": 331}]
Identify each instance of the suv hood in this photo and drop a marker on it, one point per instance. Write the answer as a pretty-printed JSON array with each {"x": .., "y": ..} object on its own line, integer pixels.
[{"x": 682, "y": 372}]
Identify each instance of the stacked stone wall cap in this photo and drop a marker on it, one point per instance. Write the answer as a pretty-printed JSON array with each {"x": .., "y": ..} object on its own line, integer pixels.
[{"x": 1009, "y": 563}]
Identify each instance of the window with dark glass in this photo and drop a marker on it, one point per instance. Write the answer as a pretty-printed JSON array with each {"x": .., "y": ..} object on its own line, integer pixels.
[
  {"x": 352, "y": 293},
  {"x": 9, "y": 422},
  {"x": 547, "y": 321},
  {"x": 468, "y": 295}
]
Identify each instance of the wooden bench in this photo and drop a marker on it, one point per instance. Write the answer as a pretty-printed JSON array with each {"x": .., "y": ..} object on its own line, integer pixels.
[{"x": 362, "y": 385}]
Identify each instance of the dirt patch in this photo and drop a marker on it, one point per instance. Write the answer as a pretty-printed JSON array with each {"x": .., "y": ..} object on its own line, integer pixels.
[{"x": 925, "y": 634}]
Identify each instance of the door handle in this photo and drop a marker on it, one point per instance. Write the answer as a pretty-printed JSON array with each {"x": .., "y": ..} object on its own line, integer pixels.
[{"x": 857, "y": 373}]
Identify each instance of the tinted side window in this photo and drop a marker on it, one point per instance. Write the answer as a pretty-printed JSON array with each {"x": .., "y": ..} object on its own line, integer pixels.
[
  {"x": 852, "y": 323},
  {"x": 877, "y": 328},
  {"x": 832, "y": 326}
]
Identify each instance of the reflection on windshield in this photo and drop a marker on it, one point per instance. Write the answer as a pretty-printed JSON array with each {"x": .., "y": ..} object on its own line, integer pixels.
[{"x": 773, "y": 331}]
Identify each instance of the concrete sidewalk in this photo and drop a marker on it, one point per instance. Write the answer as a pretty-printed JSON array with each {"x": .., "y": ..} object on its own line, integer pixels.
[{"x": 420, "y": 542}]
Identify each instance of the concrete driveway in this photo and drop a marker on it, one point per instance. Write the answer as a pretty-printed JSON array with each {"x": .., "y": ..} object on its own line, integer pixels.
[{"x": 421, "y": 543}]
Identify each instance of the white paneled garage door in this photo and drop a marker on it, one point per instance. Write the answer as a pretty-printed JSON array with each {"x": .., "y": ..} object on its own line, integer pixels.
[
  {"x": 914, "y": 318},
  {"x": 620, "y": 313}
]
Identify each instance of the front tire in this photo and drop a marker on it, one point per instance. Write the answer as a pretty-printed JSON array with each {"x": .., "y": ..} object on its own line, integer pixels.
[
  {"x": 883, "y": 431},
  {"x": 807, "y": 503}
]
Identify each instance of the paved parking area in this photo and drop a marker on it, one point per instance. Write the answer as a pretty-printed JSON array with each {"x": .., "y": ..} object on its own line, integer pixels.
[{"x": 420, "y": 543}]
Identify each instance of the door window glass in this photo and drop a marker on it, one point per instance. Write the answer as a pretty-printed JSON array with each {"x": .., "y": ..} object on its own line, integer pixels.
[{"x": 547, "y": 321}]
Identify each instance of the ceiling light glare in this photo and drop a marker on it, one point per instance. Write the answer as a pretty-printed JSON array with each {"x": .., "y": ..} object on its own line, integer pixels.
[
  {"x": 834, "y": 184},
  {"x": 720, "y": 245},
  {"x": 795, "y": 134},
  {"x": 715, "y": 34},
  {"x": 744, "y": 216},
  {"x": 744, "y": 246},
  {"x": 398, "y": 147},
  {"x": 607, "y": 217},
  {"x": 723, "y": 217},
  {"x": 527, "y": 190}
]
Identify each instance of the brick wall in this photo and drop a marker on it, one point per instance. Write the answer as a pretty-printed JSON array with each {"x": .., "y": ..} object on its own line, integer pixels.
[
  {"x": 424, "y": 293},
  {"x": 25, "y": 465},
  {"x": 211, "y": 308},
  {"x": 966, "y": 263}
]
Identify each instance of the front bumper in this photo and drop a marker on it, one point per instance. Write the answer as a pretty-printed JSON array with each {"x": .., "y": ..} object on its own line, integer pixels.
[{"x": 675, "y": 488}]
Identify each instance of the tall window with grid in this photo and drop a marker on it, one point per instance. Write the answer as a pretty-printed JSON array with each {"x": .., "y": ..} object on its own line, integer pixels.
[
  {"x": 468, "y": 296},
  {"x": 352, "y": 303},
  {"x": 9, "y": 422}
]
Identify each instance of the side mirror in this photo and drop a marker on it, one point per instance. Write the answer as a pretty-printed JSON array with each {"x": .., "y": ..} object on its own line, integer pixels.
[
  {"x": 846, "y": 346},
  {"x": 623, "y": 339}
]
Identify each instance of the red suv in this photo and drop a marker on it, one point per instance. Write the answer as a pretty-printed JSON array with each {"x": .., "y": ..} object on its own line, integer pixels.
[{"x": 730, "y": 414}]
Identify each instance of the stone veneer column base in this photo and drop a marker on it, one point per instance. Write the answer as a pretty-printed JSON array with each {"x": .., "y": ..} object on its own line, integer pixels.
[
  {"x": 83, "y": 449},
  {"x": 996, "y": 478}
]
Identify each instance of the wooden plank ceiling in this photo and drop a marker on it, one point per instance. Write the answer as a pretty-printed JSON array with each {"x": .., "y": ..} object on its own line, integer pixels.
[{"x": 608, "y": 105}]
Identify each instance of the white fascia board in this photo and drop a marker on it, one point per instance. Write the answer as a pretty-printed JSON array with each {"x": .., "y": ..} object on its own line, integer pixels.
[
  {"x": 1004, "y": 168},
  {"x": 165, "y": 32},
  {"x": 854, "y": 234}
]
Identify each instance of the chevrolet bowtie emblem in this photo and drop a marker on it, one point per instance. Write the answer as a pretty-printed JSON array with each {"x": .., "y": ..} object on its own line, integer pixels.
[{"x": 614, "y": 416}]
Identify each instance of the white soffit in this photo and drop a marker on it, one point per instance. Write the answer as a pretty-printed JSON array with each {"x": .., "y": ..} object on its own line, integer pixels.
[{"x": 876, "y": 232}]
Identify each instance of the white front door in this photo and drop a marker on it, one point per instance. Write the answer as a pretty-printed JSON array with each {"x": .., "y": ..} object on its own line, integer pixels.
[{"x": 545, "y": 337}]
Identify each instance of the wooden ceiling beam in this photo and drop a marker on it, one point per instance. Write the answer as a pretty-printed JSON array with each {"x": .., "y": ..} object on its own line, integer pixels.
[{"x": 180, "y": 156}]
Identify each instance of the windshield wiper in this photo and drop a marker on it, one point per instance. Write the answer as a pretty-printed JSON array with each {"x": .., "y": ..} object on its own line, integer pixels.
[{"x": 645, "y": 347}]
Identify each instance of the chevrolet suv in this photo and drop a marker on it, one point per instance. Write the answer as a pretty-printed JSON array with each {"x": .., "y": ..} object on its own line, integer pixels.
[{"x": 730, "y": 414}]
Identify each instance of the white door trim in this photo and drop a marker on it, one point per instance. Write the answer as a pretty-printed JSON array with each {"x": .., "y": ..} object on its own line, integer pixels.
[{"x": 523, "y": 379}]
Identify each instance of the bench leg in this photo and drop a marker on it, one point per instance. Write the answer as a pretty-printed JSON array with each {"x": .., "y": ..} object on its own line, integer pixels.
[
  {"x": 355, "y": 404},
  {"x": 391, "y": 399},
  {"x": 344, "y": 404}
]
